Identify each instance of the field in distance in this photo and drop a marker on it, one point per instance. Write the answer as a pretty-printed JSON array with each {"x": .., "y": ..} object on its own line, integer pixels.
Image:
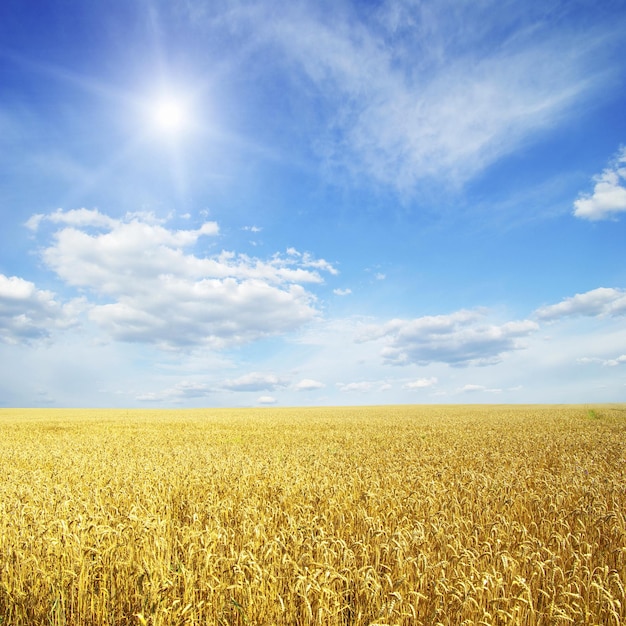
[{"x": 396, "y": 515}]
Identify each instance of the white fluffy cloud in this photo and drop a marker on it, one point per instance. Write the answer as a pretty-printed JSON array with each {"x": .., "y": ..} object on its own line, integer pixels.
[
  {"x": 28, "y": 313},
  {"x": 149, "y": 285},
  {"x": 609, "y": 193},
  {"x": 603, "y": 301},
  {"x": 461, "y": 338}
]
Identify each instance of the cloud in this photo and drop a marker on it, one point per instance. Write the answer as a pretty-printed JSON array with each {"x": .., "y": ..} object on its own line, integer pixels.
[
  {"x": 266, "y": 400},
  {"x": 149, "y": 285},
  {"x": 363, "y": 386},
  {"x": 180, "y": 392},
  {"x": 307, "y": 384},
  {"x": 421, "y": 383},
  {"x": 461, "y": 338},
  {"x": 478, "y": 389},
  {"x": 255, "y": 381},
  {"x": 438, "y": 90},
  {"x": 609, "y": 193},
  {"x": 471, "y": 388},
  {"x": 186, "y": 390},
  {"x": 342, "y": 292},
  {"x": 603, "y": 301},
  {"x": 620, "y": 360},
  {"x": 28, "y": 313},
  {"x": 74, "y": 217}
]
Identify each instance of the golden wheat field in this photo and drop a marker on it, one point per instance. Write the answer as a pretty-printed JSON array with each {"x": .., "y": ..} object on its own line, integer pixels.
[{"x": 397, "y": 515}]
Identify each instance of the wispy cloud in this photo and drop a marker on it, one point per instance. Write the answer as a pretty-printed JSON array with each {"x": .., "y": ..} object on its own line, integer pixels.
[
  {"x": 255, "y": 381},
  {"x": 422, "y": 383},
  {"x": 441, "y": 91},
  {"x": 609, "y": 193},
  {"x": 470, "y": 388},
  {"x": 190, "y": 389},
  {"x": 180, "y": 392},
  {"x": 308, "y": 384},
  {"x": 620, "y": 360},
  {"x": 266, "y": 400},
  {"x": 363, "y": 386}
]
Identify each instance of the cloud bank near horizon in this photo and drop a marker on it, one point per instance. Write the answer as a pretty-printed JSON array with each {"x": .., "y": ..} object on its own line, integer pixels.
[{"x": 141, "y": 281}]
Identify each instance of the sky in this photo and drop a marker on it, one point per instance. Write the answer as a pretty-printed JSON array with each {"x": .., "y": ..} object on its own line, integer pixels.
[{"x": 216, "y": 203}]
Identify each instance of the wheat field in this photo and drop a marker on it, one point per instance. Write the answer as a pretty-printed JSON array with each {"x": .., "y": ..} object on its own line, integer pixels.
[{"x": 396, "y": 515}]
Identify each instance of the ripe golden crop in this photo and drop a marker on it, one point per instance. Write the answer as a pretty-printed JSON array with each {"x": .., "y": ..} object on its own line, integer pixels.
[{"x": 398, "y": 515}]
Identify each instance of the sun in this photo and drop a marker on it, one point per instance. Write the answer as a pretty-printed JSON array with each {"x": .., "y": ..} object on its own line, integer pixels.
[{"x": 170, "y": 115}]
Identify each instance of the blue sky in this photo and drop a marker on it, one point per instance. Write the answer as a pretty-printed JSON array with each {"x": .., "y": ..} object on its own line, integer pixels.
[{"x": 253, "y": 203}]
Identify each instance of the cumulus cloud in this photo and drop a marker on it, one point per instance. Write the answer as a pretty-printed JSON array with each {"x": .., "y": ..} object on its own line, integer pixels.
[
  {"x": 308, "y": 384},
  {"x": 255, "y": 381},
  {"x": 151, "y": 286},
  {"x": 609, "y": 193},
  {"x": 421, "y": 383},
  {"x": 342, "y": 292},
  {"x": 461, "y": 338},
  {"x": 28, "y": 313},
  {"x": 603, "y": 301}
]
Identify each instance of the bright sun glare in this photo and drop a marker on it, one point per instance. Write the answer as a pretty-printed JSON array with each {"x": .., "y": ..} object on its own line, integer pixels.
[{"x": 169, "y": 115}]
